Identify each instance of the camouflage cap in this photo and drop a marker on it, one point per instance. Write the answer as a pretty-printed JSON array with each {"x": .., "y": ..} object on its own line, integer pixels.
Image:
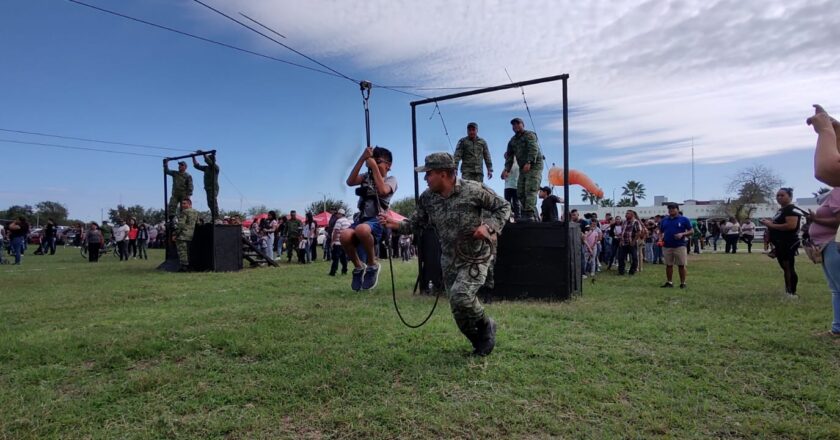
[
  {"x": 472, "y": 125},
  {"x": 437, "y": 161},
  {"x": 515, "y": 120}
]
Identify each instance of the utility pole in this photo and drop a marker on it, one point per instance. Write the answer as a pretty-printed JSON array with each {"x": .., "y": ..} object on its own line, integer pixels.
[{"x": 692, "y": 170}]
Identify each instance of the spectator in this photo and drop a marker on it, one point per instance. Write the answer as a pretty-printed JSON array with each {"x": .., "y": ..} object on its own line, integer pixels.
[
  {"x": 269, "y": 227},
  {"x": 2, "y": 243},
  {"x": 153, "y": 236},
  {"x": 94, "y": 241},
  {"x": 675, "y": 229},
  {"x": 696, "y": 236},
  {"x": 823, "y": 228},
  {"x": 280, "y": 235},
  {"x": 714, "y": 233},
  {"x": 302, "y": 251},
  {"x": 293, "y": 229},
  {"x": 510, "y": 188},
  {"x": 309, "y": 228},
  {"x": 748, "y": 233},
  {"x": 132, "y": 237},
  {"x": 328, "y": 235},
  {"x": 590, "y": 247},
  {"x": 107, "y": 231},
  {"x": 826, "y": 155},
  {"x": 337, "y": 253},
  {"x": 628, "y": 237},
  {"x": 650, "y": 241},
  {"x": 49, "y": 238},
  {"x": 548, "y": 210},
  {"x": 18, "y": 231},
  {"x": 405, "y": 247},
  {"x": 121, "y": 237},
  {"x": 784, "y": 229},
  {"x": 142, "y": 241},
  {"x": 731, "y": 232}
]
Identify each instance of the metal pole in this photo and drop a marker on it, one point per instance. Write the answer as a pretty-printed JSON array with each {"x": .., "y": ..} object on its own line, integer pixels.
[
  {"x": 564, "y": 77},
  {"x": 566, "y": 215},
  {"x": 414, "y": 151}
]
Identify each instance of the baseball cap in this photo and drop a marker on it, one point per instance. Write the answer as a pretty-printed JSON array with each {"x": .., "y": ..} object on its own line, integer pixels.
[
  {"x": 341, "y": 211},
  {"x": 515, "y": 120},
  {"x": 437, "y": 161}
]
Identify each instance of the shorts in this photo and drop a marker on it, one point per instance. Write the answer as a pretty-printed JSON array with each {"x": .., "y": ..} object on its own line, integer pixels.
[
  {"x": 676, "y": 256},
  {"x": 375, "y": 228}
]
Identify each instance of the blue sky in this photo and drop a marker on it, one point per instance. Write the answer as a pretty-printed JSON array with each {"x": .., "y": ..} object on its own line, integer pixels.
[{"x": 646, "y": 78}]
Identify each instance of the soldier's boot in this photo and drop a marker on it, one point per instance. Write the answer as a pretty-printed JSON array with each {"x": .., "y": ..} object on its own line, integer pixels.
[
  {"x": 473, "y": 334},
  {"x": 487, "y": 332},
  {"x": 184, "y": 268}
]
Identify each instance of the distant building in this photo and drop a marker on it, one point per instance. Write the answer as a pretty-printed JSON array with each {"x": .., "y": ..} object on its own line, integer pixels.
[{"x": 694, "y": 209}]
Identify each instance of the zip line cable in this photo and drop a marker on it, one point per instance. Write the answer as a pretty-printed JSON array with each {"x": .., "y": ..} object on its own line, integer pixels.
[
  {"x": 207, "y": 40},
  {"x": 93, "y": 140},
  {"x": 437, "y": 110},
  {"x": 274, "y": 40},
  {"x": 263, "y": 26},
  {"x": 522, "y": 89},
  {"x": 69, "y": 147}
]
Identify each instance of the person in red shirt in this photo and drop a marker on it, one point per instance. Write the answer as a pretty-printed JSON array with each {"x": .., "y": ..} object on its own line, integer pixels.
[{"x": 132, "y": 237}]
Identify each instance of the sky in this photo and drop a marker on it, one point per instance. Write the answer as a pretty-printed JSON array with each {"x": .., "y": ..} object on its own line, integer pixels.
[{"x": 648, "y": 79}]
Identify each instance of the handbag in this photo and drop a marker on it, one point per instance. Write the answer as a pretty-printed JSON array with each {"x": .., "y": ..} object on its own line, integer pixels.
[{"x": 813, "y": 250}]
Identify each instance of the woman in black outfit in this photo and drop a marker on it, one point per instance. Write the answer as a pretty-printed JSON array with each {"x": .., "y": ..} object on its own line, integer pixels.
[
  {"x": 784, "y": 234},
  {"x": 94, "y": 240}
]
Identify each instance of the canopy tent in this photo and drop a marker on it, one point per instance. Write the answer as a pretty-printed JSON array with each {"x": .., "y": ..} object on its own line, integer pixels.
[{"x": 322, "y": 219}]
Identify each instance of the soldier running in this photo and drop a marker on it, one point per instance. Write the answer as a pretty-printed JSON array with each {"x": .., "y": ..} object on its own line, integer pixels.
[
  {"x": 184, "y": 233},
  {"x": 472, "y": 150},
  {"x": 526, "y": 149},
  {"x": 211, "y": 182},
  {"x": 182, "y": 185},
  {"x": 454, "y": 207}
]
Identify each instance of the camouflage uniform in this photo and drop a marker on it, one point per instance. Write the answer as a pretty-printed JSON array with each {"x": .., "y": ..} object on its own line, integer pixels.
[
  {"x": 456, "y": 217},
  {"x": 526, "y": 149},
  {"x": 293, "y": 228},
  {"x": 472, "y": 152},
  {"x": 184, "y": 234},
  {"x": 182, "y": 187},
  {"x": 211, "y": 183}
]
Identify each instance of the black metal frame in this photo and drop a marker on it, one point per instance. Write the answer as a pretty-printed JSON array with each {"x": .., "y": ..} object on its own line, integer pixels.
[
  {"x": 166, "y": 160},
  {"x": 564, "y": 77}
]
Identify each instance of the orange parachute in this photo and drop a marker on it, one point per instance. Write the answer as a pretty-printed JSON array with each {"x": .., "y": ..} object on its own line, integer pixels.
[{"x": 555, "y": 177}]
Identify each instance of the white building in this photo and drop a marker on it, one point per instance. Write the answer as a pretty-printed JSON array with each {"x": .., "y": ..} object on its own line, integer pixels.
[{"x": 694, "y": 209}]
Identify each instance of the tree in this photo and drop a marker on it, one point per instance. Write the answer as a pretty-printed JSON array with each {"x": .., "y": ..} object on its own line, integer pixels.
[
  {"x": 125, "y": 213},
  {"x": 232, "y": 214},
  {"x": 24, "y": 211},
  {"x": 634, "y": 190},
  {"x": 821, "y": 191},
  {"x": 53, "y": 210},
  {"x": 257, "y": 210},
  {"x": 625, "y": 202},
  {"x": 607, "y": 203},
  {"x": 404, "y": 206},
  {"x": 590, "y": 197},
  {"x": 330, "y": 204},
  {"x": 753, "y": 185}
]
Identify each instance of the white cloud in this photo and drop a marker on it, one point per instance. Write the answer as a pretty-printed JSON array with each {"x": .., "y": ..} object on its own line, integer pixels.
[{"x": 737, "y": 77}]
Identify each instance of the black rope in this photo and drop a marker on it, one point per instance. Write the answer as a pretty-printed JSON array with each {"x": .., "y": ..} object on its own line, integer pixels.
[
  {"x": 208, "y": 40},
  {"x": 264, "y": 26},
  {"x": 525, "y": 100},
  {"x": 473, "y": 262},
  {"x": 445, "y": 131},
  {"x": 92, "y": 140},
  {"x": 416, "y": 285},
  {"x": 69, "y": 147}
]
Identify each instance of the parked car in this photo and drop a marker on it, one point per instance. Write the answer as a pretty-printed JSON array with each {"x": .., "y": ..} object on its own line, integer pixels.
[{"x": 34, "y": 236}]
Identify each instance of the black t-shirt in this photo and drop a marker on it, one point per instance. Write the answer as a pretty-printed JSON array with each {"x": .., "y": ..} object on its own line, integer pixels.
[
  {"x": 22, "y": 232},
  {"x": 785, "y": 238},
  {"x": 549, "y": 208},
  {"x": 49, "y": 231}
]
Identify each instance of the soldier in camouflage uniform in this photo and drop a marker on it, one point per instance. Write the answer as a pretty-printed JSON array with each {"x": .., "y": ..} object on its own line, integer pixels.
[
  {"x": 454, "y": 207},
  {"x": 211, "y": 182},
  {"x": 184, "y": 232},
  {"x": 293, "y": 228},
  {"x": 526, "y": 149},
  {"x": 182, "y": 185},
  {"x": 472, "y": 149}
]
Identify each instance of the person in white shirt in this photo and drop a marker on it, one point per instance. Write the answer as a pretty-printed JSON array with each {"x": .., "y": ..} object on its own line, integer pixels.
[
  {"x": 337, "y": 251},
  {"x": 731, "y": 232},
  {"x": 748, "y": 233},
  {"x": 121, "y": 237}
]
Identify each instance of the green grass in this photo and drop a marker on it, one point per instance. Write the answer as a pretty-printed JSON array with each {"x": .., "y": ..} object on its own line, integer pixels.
[{"x": 119, "y": 350}]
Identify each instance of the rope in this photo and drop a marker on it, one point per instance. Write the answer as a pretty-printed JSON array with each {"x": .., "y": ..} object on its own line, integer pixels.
[
  {"x": 68, "y": 147},
  {"x": 525, "y": 100},
  {"x": 472, "y": 261}
]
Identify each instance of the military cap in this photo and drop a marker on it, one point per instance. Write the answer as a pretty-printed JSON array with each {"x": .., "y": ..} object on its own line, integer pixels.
[
  {"x": 472, "y": 125},
  {"x": 515, "y": 120},
  {"x": 181, "y": 162},
  {"x": 437, "y": 161}
]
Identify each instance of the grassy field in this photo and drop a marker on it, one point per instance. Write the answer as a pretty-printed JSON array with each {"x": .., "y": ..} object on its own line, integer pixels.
[{"x": 119, "y": 350}]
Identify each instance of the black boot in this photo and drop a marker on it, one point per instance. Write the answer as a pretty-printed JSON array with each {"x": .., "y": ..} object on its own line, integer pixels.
[{"x": 487, "y": 331}]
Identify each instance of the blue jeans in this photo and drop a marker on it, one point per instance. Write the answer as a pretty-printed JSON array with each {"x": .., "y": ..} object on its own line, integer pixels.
[
  {"x": 649, "y": 252},
  {"x": 17, "y": 248},
  {"x": 269, "y": 246},
  {"x": 375, "y": 230},
  {"x": 831, "y": 267}
]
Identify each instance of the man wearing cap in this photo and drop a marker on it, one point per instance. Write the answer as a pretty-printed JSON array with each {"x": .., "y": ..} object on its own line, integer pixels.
[
  {"x": 337, "y": 252},
  {"x": 675, "y": 229},
  {"x": 548, "y": 213},
  {"x": 182, "y": 185},
  {"x": 524, "y": 147},
  {"x": 472, "y": 150},
  {"x": 211, "y": 182},
  {"x": 184, "y": 232},
  {"x": 454, "y": 208},
  {"x": 293, "y": 229}
]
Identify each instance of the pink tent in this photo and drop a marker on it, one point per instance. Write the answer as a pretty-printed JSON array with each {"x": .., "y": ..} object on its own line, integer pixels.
[
  {"x": 247, "y": 223},
  {"x": 322, "y": 219},
  {"x": 394, "y": 215}
]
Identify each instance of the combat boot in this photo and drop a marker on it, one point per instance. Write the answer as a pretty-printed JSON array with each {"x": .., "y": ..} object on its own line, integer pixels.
[{"x": 487, "y": 333}]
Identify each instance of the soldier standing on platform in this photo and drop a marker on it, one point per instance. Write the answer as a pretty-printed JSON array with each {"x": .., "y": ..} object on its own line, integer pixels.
[
  {"x": 526, "y": 149},
  {"x": 454, "y": 207},
  {"x": 211, "y": 182},
  {"x": 182, "y": 185},
  {"x": 472, "y": 150},
  {"x": 184, "y": 233}
]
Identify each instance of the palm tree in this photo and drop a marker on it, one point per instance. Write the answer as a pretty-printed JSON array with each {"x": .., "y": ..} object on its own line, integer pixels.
[
  {"x": 625, "y": 202},
  {"x": 587, "y": 196},
  {"x": 606, "y": 203},
  {"x": 634, "y": 190}
]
